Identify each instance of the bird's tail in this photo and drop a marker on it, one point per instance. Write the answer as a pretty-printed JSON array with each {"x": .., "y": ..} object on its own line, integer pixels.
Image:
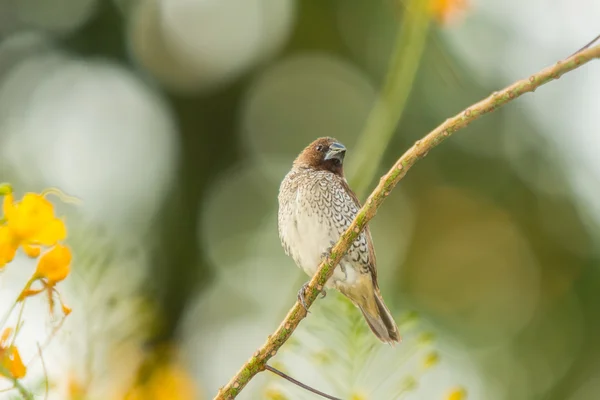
[
  {"x": 380, "y": 319},
  {"x": 367, "y": 298}
]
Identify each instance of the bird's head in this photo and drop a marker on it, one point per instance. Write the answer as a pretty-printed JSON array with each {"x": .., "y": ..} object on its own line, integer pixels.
[{"x": 326, "y": 154}]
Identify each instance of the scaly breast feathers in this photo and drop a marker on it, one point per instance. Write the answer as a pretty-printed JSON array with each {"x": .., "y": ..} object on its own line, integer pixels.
[{"x": 314, "y": 217}]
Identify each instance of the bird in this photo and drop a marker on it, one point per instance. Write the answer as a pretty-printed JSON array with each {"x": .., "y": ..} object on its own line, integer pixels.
[{"x": 316, "y": 206}]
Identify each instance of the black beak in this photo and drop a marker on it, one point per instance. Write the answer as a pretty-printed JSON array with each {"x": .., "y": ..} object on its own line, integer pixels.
[{"x": 336, "y": 151}]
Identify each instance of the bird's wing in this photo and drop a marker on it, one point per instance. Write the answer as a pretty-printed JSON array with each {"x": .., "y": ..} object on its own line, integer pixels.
[{"x": 372, "y": 261}]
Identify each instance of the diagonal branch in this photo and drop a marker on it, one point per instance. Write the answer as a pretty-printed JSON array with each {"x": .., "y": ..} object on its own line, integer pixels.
[
  {"x": 258, "y": 361},
  {"x": 298, "y": 383}
]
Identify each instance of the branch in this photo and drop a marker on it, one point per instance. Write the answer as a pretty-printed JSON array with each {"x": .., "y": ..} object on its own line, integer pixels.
[
  {"x": 298, "y": 383},
  {"x": 594, "y": 40},
  {"x": 419, "y": 150}
]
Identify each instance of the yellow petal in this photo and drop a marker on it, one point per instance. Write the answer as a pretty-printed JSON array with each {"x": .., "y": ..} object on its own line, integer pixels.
[
  {"x": 16, "y": 367},
  {"x": 29, "y": 293},
  {"x": 31, "y": 251},
  {"x": 167, "y": 382},
  {"x": 29, "y": 215},
  {"x": 7, "y": 205},
  {"x": 11, "y": 360},
  {"x": 5, "y": 335},
  {"x": 50, "y": 233},
  {"x": 8, "y": 246},
  {"x": 171, "y": 382},
  {"x": 35, "y": 205},
  {"x": 66, "y": 309},
  {"x": 55, "y": 264},
  {"x": 75, "y": 388}
]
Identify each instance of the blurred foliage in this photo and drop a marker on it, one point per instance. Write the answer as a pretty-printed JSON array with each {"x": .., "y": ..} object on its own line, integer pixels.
[{"x": 486, "y": 238}]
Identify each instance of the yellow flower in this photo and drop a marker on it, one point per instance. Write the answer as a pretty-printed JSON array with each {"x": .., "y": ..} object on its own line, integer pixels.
[
  {"x": 8, "y": 246},
  {"x": 457, "y": 394},
  {"x": 358, "y": 396},
  {"x": 167, "y": 382},
  {"x": 32, "y": 220},
  {"x": 274, "y": 394},
  {"x": 54, "y": 266},
  {"x": 10, "y": 358},
  {"x": 444, "y": 11},
  {"x": 76, "y": 390},
  {"x": 5, "y": 335},
  {"x": 29, "y": 223}
]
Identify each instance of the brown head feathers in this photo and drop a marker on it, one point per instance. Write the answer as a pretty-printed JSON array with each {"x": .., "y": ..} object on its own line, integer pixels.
[{"x": 326, "y": 154}]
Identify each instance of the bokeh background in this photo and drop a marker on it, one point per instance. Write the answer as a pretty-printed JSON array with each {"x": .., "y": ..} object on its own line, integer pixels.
[{"x": 174, "y": 122}]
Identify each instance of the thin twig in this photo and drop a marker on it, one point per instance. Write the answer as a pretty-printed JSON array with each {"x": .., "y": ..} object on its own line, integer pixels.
[
  {"x": 298, "y": 383},
  {"x": 258, "y": 361},
  {"x": 48, "y": 340},
  {"x": 44, "y": 369},
  {"x": 19, "y": 324},
  {"x": 7, "y": 315},
  {"x": 594, "y": 40}
]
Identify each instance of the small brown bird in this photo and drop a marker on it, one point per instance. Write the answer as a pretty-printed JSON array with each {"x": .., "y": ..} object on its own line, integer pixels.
[{"x": 316, "y": 206}]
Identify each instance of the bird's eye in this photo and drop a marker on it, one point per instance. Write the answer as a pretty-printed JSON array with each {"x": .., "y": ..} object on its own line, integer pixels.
[{"x": 320, "y": 147}]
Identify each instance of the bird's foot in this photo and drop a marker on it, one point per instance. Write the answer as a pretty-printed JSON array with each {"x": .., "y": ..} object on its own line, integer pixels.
[
  {"x": 301, "y": 294},
  {"x": 327, "y": 252}
]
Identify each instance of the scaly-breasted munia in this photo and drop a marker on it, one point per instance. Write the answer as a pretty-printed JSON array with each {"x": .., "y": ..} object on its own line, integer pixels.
[{"x": 316, "y": 206}]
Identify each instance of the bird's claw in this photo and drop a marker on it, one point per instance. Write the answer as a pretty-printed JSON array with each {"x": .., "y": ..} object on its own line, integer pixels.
[
  {"x": 327, "y": 252},
  {"x": 301, "y": 295}
]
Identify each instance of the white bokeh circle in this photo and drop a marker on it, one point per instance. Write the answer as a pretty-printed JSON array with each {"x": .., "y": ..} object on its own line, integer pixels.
[{"x": 92, "y": 129}]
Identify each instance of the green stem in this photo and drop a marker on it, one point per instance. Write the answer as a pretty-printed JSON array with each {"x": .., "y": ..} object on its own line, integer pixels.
[
  {"x": 27, "y": 395},
  {"x": 8, "y": 313},
  {"x": 385, "y": 115}
]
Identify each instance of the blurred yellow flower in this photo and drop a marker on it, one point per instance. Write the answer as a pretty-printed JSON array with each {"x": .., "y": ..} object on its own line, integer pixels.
[
  {"x": 457, "y": 394},
  {"x": 443, "y": 11},
  {"x": 65, "y": 309},
  {"x": 54, "y": 266},
  {"x": 10, "y": 359},
  {"x": 274, "y": 394},
  {"x": 29, "y": 223},
  {"x": 358, "y": 396},
  {"x": 32, "y": 220},
  {"x": 76, "y": 390},
  {"x": 167, "y": 382},
  {"x": 5, "y": 335},
  {"x": 8, "y": 246}
]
